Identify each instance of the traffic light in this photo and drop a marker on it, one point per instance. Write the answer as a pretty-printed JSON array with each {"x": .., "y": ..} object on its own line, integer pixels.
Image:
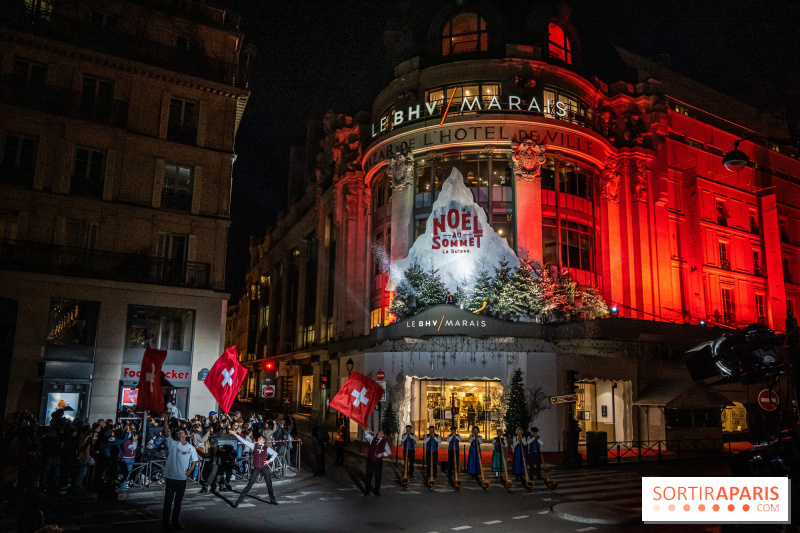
[
  {"x": 571, "y": 380},
  {"x": 325, "y": 380},
  {"x": 454, "y": 411},
  {"x": 270, "y": 370}
]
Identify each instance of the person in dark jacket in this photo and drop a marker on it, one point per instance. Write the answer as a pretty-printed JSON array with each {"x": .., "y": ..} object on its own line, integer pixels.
[{"x": 319, "y": 438}]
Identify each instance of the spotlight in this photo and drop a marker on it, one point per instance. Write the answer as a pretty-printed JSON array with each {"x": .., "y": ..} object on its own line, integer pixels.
[
  {"x": 614, "y": 311},
  {"x": 703, "y": 323}
]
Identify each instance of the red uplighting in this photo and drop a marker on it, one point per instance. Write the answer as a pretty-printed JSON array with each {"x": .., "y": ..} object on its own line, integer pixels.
[{"x": 270, "y": 366}]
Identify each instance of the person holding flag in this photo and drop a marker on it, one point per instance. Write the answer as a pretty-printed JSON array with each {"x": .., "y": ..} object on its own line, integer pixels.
[
  {"x": 378, "y": 449},
  {"x": 263, "y": 455},
  {"x": 225, "y": 378},
  {"x": 181, "y": 460},
  {"x": 150, "y": 394}
]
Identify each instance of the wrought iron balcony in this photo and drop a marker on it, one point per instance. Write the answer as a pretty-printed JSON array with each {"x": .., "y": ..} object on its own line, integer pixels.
[
  {"x": 725, "y": 264},
  {"x": 61, "y": 101},
  {"x": 83, "y": 263}
]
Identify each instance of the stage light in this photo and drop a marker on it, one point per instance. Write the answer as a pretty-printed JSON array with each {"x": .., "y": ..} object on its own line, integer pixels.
[
  {"x": 614, "y": 311},
  {"x": 703, "y": 323}
]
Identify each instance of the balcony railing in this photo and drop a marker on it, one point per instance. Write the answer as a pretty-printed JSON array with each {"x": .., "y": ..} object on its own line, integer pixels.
[
  {"x": 114, "y": 42},
  {"x": 61, "y": 101},
  {"x": 83, "y": 263},
  {"x": 725, "y": 264}
]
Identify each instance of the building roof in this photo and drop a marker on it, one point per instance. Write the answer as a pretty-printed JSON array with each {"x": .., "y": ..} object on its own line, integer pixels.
[{"x": 680, "y": 394}]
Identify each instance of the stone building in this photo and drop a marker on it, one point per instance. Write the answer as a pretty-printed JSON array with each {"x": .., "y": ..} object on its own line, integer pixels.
[
  {"x": 613, "y": 175},
  {"x": 117, "y": 128}
]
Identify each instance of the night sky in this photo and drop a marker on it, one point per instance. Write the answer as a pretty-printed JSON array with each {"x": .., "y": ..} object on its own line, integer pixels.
[{"x": 315, "y": 56}]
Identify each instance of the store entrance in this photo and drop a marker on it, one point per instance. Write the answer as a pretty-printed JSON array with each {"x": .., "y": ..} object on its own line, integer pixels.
[{"x": 477, "y": 403}]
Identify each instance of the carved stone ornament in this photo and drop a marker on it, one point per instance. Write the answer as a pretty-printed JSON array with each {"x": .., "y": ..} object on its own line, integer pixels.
[
  {"x": 352, "y": 190},
  {"x": 637, "y": 170},
  {"x": 528, "y": 159},
  {"x": 609, "y": 181},
  {"x": 400, "y": 168}
]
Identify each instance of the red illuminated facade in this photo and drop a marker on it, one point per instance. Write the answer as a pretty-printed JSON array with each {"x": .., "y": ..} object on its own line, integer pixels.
[{"x": 617, "y": 182}]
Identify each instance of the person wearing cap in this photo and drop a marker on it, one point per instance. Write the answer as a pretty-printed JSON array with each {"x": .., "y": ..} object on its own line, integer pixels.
[
  {"x": 431, "y": 444},
  {"x": 409, "y": 440},
  {"x": 474, "y": 457},
  {"x": 453, "y": 440},
  {"x": 535, "y": 452},
  {"x": 378, "y": 449}
]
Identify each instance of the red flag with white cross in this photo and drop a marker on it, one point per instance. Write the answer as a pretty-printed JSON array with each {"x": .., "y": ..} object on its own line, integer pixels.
[
  {"x": 357, "y": 398},
  {"x": 150, "y": 394},
  {"x": 225, "y": 378}
]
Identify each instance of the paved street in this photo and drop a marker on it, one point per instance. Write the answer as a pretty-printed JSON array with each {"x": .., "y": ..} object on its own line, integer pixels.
[{"x": 336, "y": 503}]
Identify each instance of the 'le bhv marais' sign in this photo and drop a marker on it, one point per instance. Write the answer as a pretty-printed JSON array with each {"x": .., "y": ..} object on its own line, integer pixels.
[
  {"x": 510, "y": 123},
  {"x": 452, "y": 320}
]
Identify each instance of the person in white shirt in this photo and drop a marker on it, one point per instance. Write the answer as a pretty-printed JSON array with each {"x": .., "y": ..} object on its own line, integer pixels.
[
  {"x": 263, "y": 455},
  {"x": 181, "y": 460},
  {"x": 453, "y": 440},
  {"x": 378, "y": 449}
]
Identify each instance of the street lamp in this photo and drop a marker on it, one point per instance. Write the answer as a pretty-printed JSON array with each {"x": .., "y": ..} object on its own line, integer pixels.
[
  {"x": 349, "y": 364},
  {"x": 736, "y": 160}
]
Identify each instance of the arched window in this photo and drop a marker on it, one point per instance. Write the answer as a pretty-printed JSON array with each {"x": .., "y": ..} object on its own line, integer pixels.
[
  {"x": 559, "y": 44},
  {"x": 465, "y": 32}
]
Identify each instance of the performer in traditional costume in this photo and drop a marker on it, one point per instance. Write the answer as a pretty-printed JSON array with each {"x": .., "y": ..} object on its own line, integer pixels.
[
  {"x": 474, "y": 456},
  {"x": 499, "y": 446},
  {"x": 431, "y": 441},
  {"x": 453, "y": 440},
  {"x": 535, "y": 453},
  {"x": 519, "y": 443},
  {"x": 408, "y": 441}
]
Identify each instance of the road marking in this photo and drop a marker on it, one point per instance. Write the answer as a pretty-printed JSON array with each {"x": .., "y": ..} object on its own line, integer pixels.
[
  {"x": 549, "y": 500},
  {"x": 243, "y": 505},
  {"x": 544, "y": 512},
  {"x": 520, "y": 517},
  {"x": 331, "y": 498},
  {"x": 350, "y": 488},
  {"x": 490, "y": 522},
  {"x": 583, "y": 530},
  {"x": 286, "y": 501},
  {"x": 459, "y": 528},
  {"x": 411, "y": 492}
]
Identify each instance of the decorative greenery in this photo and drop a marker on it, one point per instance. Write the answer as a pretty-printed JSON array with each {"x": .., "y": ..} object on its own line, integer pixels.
[
  {"x": 530, "y": 291},
  {"x": 516, "y": 414},
  {"x": 390, "y": 424}
]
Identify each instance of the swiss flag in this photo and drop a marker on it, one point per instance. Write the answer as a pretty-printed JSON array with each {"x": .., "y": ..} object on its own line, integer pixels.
[
  {"x": 357, "y": 398},
  {"x": 150, "y": 396},
  {"x": 225, "y": 378}
]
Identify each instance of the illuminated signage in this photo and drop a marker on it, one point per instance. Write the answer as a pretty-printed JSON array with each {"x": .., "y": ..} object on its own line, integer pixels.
[{"x": 512, "y": 104}]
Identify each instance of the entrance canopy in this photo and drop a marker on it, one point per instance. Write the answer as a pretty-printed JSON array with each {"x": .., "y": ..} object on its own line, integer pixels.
[{"x": 680, "y": 395}]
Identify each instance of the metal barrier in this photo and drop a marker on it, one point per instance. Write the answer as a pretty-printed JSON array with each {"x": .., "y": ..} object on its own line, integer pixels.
[{"x": 668, "y": 449}]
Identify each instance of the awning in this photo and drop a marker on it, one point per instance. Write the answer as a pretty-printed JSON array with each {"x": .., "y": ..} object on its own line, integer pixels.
[{"x": 680, "y": 395}]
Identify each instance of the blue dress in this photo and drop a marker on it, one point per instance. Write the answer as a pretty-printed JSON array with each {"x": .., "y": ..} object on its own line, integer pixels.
[
  {"x": 472, "y": 459},
  {"x": 518, "y": 467}
]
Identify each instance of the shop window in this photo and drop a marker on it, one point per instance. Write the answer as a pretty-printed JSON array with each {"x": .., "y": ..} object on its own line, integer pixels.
[
  {"x": 72, "y": 329},
  {"x": 306, "y": 390},
  {"x": 178, "y": 187},
  {"x": 162, "y": 328},
  {"x": 734, "y": 418},
  {"x": 465, "y": 32},
  {"x": 87, "y": 177},
  {"x": 18, "y": 163},
  {"x": 182, "y": 126},
  {"x": 761, "y": 315},
  {"x": 559, "y": 44}
]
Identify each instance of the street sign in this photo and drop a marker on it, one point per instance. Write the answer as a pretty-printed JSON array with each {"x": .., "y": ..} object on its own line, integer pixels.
[
  {"x": 565, "y": 398},
  {"x": 768, "y": 400},
  {"x": 383, "y": 386},
  {"x": 268, "y": 391},
  {"x": 380, "y": 375}
]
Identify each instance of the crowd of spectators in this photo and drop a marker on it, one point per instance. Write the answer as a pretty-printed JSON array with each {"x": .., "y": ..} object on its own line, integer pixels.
[{"x": 66, "y": 455}]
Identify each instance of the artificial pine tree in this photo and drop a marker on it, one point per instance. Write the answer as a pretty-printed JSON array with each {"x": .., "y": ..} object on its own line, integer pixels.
[
  {"x": 432, "y": 290},
  {"x": 592, "y": 303},
  {"x": 501, "y": 302},
  {"x": 524, "y": 290},
  {"x": 548, "y": 290},
  {"x": 516, "y": 414},
  {"x": 481, "y": 291},
  {"x": 463, "y": 293},
  {"x": 389, "y": 424},
  {"x": 565, "y": 301},
  {"x": 406, "y": 299}
]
